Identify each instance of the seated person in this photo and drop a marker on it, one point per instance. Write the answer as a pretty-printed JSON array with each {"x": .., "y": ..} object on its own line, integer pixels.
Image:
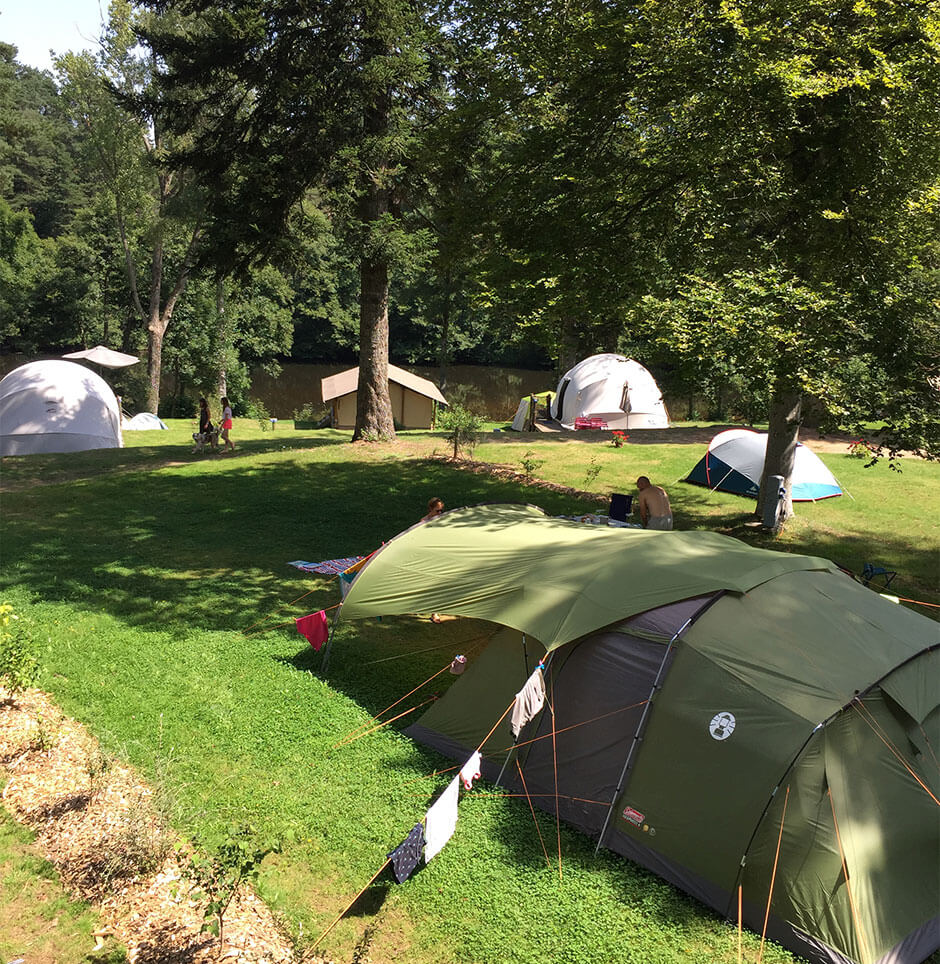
[{"x": 653, "y": 504}]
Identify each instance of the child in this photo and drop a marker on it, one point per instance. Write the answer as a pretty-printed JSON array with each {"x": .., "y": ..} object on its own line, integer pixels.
[
  {"x": 226, "y": 424},
  {"x": 435, "y": 508}
]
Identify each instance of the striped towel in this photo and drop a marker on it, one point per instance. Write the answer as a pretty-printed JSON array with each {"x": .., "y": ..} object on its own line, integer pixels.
[{"x": 329, "y": 567}]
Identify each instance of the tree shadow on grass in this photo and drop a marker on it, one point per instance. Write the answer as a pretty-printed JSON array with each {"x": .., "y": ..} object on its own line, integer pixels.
[{"x": 178, "y": 552}]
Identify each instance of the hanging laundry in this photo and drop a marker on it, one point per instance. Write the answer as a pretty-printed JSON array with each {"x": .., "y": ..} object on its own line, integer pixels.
[
  {"x": 329, "y": 567},
  {"x": 470, "y": 771},
  {"x": 407, "y": 855},
  {"x": 529, "y": 701},
  {"x": 315, "y": 628},
  {"x": 441, "y": 820}
]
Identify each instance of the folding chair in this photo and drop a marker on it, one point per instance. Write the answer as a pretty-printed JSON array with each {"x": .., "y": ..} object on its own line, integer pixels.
[{"x": 871, "y": 571}]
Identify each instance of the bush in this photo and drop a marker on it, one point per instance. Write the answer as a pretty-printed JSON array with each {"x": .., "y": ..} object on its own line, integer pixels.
[
  {"x": 462, "y": 427},
  {"x": 257, "y": 410},
  {"x": 18, "y": 666}
]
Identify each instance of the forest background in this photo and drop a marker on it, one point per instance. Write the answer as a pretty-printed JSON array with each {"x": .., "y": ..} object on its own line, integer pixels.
[{"x": 743, "y": 195}]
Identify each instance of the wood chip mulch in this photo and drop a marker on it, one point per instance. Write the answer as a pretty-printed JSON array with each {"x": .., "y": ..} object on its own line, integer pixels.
[{"x": 96, "y": 822}]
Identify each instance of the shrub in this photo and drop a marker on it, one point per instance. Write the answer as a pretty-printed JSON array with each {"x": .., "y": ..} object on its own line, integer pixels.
[
  {"x": 618, "y": 439},
  {"x": 592, "y": 472},
  {"x": 462, "y": 427},
  {"x": 18, "y": 666},
  {"x": 531, "y": 465},
  {"x": 257, "y": 410},
  {"x": 220, "y": 873}
]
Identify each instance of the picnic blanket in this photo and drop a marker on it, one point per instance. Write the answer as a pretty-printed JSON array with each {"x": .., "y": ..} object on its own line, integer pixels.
[{"x": 329, "y": 567}]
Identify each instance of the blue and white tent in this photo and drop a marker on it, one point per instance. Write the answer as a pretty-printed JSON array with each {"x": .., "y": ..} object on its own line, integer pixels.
[{"x": 735, "y": 459}]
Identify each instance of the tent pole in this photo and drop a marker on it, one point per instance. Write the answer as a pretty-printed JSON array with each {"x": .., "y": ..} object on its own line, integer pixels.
[
  {"x": 638, "y": 734},
  {"x": 329, "y": 642}
]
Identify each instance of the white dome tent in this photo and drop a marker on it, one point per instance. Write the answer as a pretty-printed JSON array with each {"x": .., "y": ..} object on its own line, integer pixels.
[
  {"x": 57, "y": 406},
  {"x": 617, "y": 390}
]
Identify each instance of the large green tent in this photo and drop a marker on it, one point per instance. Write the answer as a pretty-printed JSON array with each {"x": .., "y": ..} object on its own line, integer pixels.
[{"x": 743, "y": 722}]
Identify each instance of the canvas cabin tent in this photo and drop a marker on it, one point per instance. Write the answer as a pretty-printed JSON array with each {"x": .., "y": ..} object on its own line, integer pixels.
[
  {"x": 57, "y": 406},
  {"x": 413, "y": 398},
  {"x": 618, "y": 390},
  {"x": 725, "y": 716},
  {"x": 734, "y": 462}
]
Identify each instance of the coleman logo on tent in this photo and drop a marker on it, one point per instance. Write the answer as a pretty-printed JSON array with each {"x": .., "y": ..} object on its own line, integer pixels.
[
  {"x": 721, "y": 726},
  {"x": 634, "y": 816}
]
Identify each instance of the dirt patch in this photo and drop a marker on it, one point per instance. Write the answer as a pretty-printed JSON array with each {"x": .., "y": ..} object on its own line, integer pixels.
[{"x": 95, "y": 821}]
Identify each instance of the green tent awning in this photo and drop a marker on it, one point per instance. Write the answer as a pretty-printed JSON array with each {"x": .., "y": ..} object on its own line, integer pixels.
[{"x": 553, "y": 579}]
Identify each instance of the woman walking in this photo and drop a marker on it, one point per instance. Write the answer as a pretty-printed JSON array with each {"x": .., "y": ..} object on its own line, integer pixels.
[{"x": 226, "y": 424}]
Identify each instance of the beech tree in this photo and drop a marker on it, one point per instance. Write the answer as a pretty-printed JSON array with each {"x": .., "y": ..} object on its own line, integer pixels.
[
  {"x": 155, "y": 211},
  {"x": 746, "y": 182},
  {"x": 280, "y": 97},
  {"x": 818, "y": 125}
]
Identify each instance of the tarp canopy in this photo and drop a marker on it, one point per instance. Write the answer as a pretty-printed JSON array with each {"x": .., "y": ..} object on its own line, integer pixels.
[
  {"x": 550, "y": 578},
  {"x": 106, "y": 357}
]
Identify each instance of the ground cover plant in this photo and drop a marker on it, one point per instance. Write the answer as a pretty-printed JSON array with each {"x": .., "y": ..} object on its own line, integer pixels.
[
  {"x": 38, "y": 921},
  {"x": 143, "y": 568}
]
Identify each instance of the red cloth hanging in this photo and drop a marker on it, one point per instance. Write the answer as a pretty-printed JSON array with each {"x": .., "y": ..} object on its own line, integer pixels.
[{"x": 315, "y": 628}]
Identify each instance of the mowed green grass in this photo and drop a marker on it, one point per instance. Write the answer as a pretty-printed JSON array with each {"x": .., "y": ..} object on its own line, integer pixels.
[
  {"x": 141, "y": 570},
  {"x": 38, "y": 921}
]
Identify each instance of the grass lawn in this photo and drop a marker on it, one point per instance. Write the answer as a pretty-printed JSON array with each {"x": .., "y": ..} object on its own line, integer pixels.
[
  {"x": 141, "y": 568},
  {"x": 38, "y": 922}
]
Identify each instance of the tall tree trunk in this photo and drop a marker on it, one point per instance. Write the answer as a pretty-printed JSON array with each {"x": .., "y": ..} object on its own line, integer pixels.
[
  {"x": 222, "y": 333},
  {"x": 155, "y": 332},
  {"x": 568, "y": 345},
  {"x": 786, "y": 412},
  {"x": 373, "y": 406},
  {"x": 444, "y": 346}
]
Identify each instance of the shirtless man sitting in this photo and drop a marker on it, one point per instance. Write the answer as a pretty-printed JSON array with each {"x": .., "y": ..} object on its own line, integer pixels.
[{"x": 655, "y": 510}]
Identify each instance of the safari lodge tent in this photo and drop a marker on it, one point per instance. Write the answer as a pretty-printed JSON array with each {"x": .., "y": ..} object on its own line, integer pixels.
[
  {"x": 735, "y": 459},
  {"x": 619, "y": 391},
  {"x": 57, "y": 406},
  {"x": 413, "y": 398},
  {"x": 728, "y": 717}
]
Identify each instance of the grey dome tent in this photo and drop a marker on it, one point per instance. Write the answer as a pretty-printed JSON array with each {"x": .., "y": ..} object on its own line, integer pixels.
[{"x": 735, "y": 719}]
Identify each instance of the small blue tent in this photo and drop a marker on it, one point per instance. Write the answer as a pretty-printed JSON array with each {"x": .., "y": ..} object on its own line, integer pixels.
[{"x": 735, "y": 459}]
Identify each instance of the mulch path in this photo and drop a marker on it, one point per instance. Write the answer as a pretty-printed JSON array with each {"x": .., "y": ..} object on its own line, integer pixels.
[{"x": 96, "y": 822}]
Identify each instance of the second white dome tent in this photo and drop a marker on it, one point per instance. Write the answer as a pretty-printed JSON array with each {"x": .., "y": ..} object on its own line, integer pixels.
[{"x": 617, "y": 391}]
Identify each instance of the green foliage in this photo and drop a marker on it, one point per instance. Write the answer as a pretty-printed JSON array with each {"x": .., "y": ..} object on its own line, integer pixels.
[
  {"x": 258, "y": 411},
  {"x": 461, "y": 426},
  {"x": 592, "y": 472},
  {"x": 219, "y": 872},
  {"x": 19, "y": 666},
  {"x": 41, "y": 920},
  {"x": 530, "y": 464},
  {"x": 304, "y": 413}
]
